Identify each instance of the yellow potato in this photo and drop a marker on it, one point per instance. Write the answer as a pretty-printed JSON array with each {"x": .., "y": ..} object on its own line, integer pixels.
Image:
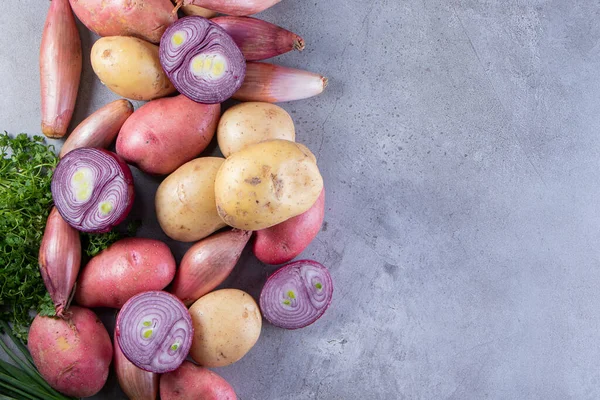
[
  {"x": 130, "y": 67},
  {"x": 253, "y": 122},
  {"x": 267, "y": 183},
  {"x": 185, "y": 201},
  {"x": 227, "y": 324}
]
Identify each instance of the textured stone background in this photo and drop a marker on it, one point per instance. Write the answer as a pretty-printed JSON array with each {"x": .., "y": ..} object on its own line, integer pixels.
[{"x": 459, "y": 143}]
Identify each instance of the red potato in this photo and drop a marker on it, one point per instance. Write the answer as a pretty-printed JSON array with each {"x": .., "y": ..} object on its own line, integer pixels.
[
  {"x": 128, "y": 267},
  {"x": 73, "y": 355},
  {"x": 144, "y": 19},
  {"x": 164, "y": 134},
  {"x": 191, "y": 382},
  {"x": 283, "y": 242}
]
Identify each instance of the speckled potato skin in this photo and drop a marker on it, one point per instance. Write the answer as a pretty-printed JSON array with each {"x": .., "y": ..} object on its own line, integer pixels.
[
  {"x": 128, "y": 267},
  {"x": 185, "y": 201},
  {"x": 227, "y": 324},
  {"x": 130, "y": 67},
  {"x": 144, "y": 19},
  {"x": 72, "y": 355},
  {"x": 253, "y": 122},
  {"x": 267, "y": 183},
  {"x": 192, "y": 382}
]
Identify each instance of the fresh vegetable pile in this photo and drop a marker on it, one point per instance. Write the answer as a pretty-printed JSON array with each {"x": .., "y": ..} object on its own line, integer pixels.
[{"x": 265, "y": 186}]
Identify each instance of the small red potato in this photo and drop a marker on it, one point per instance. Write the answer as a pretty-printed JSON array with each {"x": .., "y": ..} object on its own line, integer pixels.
[
  {"x": 128, "y": 267},
  {"x": 72, "y": 355},
  {"x": 283, "y": 242},
  {"x": 191, "y": 382},
  {"x": 144, "y": 19},
  {"x": 164, "y": 134}
]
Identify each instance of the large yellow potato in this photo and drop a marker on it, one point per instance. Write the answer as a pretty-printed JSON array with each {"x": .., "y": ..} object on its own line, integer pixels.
[
  {"x": 227, "y": 324},
  {"x": 253, "y": 122},
  {"x": 185, "y": 201},
  {"x": 267, "y": 183},
  {"x": 130, "y": 67}
]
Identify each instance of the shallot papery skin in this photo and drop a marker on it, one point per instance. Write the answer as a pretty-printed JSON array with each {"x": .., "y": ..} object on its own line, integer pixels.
[
  {"x": 99, "y": 129},
  {"x": 135, "y": 382},
  {"x": 259, "y": 39},
  {"x": 274, "y": 83},
  {"x": 60, "y": 69},
  {"x": 59, "y": 259}
]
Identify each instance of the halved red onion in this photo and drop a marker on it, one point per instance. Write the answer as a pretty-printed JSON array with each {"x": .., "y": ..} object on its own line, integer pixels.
[
  {"x": 92, "y": 189},
  {"x": 154, "y": 330},
  {"x": 202, "y": 60},
  {"x": 297, "y": 294}
]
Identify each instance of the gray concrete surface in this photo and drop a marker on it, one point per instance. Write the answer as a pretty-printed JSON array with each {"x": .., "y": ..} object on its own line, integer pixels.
[{"x": 459, "y": 141}]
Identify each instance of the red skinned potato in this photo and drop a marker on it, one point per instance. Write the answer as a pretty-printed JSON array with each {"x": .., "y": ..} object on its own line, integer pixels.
[
  {"x": 72, "y": 355},
  {"x": 128, "y": 267},
  {"x": 164, "y": 134},
  {"x": 145, "y": 19},
  {"x": 283, "y": 242},
  {"x": 191, "y": 382}
]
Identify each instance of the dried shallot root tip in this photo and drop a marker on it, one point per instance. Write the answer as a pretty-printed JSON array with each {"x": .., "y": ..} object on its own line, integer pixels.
[
  {"x": 259, "y": 39},
  {"x": 60, "y": 69}
]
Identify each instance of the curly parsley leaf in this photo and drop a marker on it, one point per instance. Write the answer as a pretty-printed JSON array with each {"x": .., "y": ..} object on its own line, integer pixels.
[{"x": 26, "y": 166}]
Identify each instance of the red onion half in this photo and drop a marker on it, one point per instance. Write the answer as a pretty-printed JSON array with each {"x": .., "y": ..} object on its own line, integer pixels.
[
  {"x": 92, "y": 189},
  {"x": 297, "y": 294},
  {"x": 154, "y": 330},
  {"x": 202, "y": 60}
]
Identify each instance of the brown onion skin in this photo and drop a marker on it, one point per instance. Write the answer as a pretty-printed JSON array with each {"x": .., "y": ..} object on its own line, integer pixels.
[
  {"x": 99, "y": 129},
  {"x": 164, "y": 134},
  {"x": 259, "y": 39},
  {"x": 135, "y": 382},
  {"x": 192, "y": 382},
  {"x": 207, "y": 264},
  {"x": 60, "y": 69},
  {"x": 285, "y": 241},
  {"x": 233, "y": 7},
  {"x": 275, "y": 83},
  {"x": 59, "y": 259}
]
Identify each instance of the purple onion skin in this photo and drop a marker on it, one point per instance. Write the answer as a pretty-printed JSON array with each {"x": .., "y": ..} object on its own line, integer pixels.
[
  {"x": 112, "y": 169},
  {"x": 288, "y": 287},
  {"x": 130, "y": 338},
  {"x": 202, "y": 37}
]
